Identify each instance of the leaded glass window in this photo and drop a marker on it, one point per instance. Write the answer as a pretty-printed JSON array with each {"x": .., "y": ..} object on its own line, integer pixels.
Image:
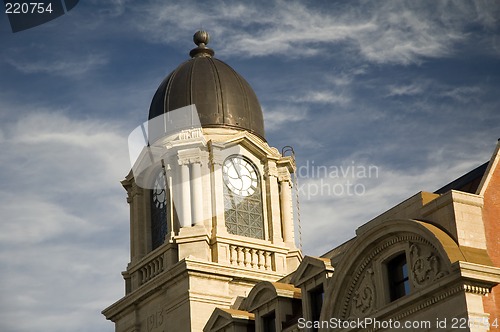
[
  {"x": 159, "y": 202},
  {"x": 242, "y": 198}
]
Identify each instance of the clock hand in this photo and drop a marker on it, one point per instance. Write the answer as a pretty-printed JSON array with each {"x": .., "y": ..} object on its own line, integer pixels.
[{"x": 236, "y": 168}]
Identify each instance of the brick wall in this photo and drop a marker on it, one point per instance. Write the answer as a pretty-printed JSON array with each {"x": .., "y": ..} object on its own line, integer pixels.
[{"x": 491, "y": 217}]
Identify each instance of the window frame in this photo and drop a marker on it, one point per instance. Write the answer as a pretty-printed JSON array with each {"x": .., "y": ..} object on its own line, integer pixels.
[
  {"x": 269, "y": 322},
  {"x": 157, "y": 218},
  {"x": 314, "y": 310},
  {"x": 233, "y": 201},
  {"x": 397, "y": 276}
]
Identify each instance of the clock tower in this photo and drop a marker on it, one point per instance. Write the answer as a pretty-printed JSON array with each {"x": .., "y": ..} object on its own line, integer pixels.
[{"x": 210, "y": 201}]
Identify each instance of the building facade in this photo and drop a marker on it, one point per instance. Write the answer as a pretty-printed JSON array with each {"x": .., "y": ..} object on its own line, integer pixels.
[{"x": 212, "y": 232}]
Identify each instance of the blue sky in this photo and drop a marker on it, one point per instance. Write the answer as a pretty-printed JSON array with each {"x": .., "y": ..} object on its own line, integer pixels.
[{"x": 411, "y": 88}]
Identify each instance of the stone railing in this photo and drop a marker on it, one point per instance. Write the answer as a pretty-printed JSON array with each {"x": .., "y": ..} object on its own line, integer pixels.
[
  {"x": 250, "y": 254},
  {"x": 250, "y": 257},
  {"x": 151, "y": 269},
  {"x": 152, "y": 265}
]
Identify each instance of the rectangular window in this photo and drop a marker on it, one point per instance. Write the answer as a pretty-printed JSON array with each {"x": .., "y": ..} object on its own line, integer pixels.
[
  {"x": 397, "y": 271},
  {"x": 269, "y": 322},
  {"x": 316, "y": 297}
]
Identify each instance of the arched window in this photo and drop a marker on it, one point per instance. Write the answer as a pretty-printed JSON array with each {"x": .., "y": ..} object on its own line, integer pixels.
[
  {"x": 242, "y": 198},
  {"x": 159, "y": 202},
  {"x": 397, "y": 271}
]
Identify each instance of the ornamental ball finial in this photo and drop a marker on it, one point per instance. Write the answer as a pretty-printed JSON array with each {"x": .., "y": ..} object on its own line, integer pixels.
[{"x": 201, "y": 37}]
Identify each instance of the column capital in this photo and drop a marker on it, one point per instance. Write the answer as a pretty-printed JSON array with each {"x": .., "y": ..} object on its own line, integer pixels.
[
  {"x": 135, "y": 190},
  {"x": 184, "y": 161},
  {"x": 216, "y": 158},
  {"x": 190, "y": 160},
  {"x": 284, "y": 175},
  {"x": 270, "y": 169},
  {"x": 190, "y": 156}
]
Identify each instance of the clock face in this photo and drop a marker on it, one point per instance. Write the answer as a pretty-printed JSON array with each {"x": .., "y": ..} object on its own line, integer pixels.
[
  {"x": 159, "y": 194},
  {"x": 240, "y": 176}
]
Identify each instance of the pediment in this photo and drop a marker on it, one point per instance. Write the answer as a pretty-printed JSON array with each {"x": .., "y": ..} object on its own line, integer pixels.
[
  {"x": 265, "y": 292},
  {"x": 260, "y": 295},
  {"x": 221, "y": 318},
  {"x": 219, "y": 323},
  {"x": 254, "y": 144},
  {"x": 309, "y": 268}
]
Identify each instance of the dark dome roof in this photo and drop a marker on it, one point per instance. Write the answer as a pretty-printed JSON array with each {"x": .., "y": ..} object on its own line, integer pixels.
[{"x": 222, "y": 97}]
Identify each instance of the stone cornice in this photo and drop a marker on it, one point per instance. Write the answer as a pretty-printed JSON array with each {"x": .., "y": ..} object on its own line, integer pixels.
[
  {"x": 483, "y": 273},
  {"x": 181, "y": 270}
]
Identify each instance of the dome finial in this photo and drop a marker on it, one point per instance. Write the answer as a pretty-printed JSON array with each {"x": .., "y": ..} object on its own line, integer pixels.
[{"x": 201, "y": 39}]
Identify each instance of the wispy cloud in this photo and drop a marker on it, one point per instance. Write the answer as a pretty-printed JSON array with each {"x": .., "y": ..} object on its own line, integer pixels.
[
  {"x": 341, "y": 81},
  {"x": 332, "y": 203},
  {"x": 277, "y": 117},
  {"x": 60, "y": 197},
  {"x": 405, "y": 90},
  {"x": 463, "y": 94},
  {"x": 322, "y": 97},
  {"x": 72, "y": 66},
  {"x": 388, "y": 32}
]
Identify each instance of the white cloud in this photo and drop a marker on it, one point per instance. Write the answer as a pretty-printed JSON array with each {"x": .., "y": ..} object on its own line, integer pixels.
[
  {"x": 42, "y": 221},
  {"x": 387, "y": 32},
  {"x": 323, "y": 97},
  {"x": 64, "y": 212},
  {"x": 278, "y": 117},
  {"x": 463, "y": 94},
  {"x": 405, "y": 90},
  {"x": 113, "y": 8},
  {"x": 345, "y": 77},
  {"x": 66, "y": 153},
  {"x": 61, "y": 203},
  {"x": 69, "y": 66},
  {"x": 327, "y": 208}
]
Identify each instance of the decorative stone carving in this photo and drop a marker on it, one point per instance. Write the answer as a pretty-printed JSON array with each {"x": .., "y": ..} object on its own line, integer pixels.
[
  {"x": 191, "y": 156},
  {"x": 360, "y": 294},
  {"x": 364, "y": 297},
  {"x": 284, "y": 175},
  {"x": 136, "y": 190},
  {"x": 271, "y": 170},
  {"x": 215, "y": 158},
  {"x": 190, "y": 133},
  {"x": 425, "y": 266}
]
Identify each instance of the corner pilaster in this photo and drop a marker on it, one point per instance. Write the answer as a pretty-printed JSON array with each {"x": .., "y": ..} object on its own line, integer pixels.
[{"x": 273, "y": 202}]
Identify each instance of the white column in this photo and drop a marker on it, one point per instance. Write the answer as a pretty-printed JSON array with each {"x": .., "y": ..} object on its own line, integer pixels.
[
  {"x": 217, "y": 188},
  {"x": 286, "y": 211},
  {"x": 196, "y": 193},
  {"x": 185, "y": 209},
  {"x": 273, "y": 200}
]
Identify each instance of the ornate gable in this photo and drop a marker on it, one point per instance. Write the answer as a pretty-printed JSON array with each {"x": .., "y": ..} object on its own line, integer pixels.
[
  {"x": 222, "y": 318},
  {"x": 309, "y": 268},
  {"x": 358, "y": 288},
  {"x": 265, "y": 292}
]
